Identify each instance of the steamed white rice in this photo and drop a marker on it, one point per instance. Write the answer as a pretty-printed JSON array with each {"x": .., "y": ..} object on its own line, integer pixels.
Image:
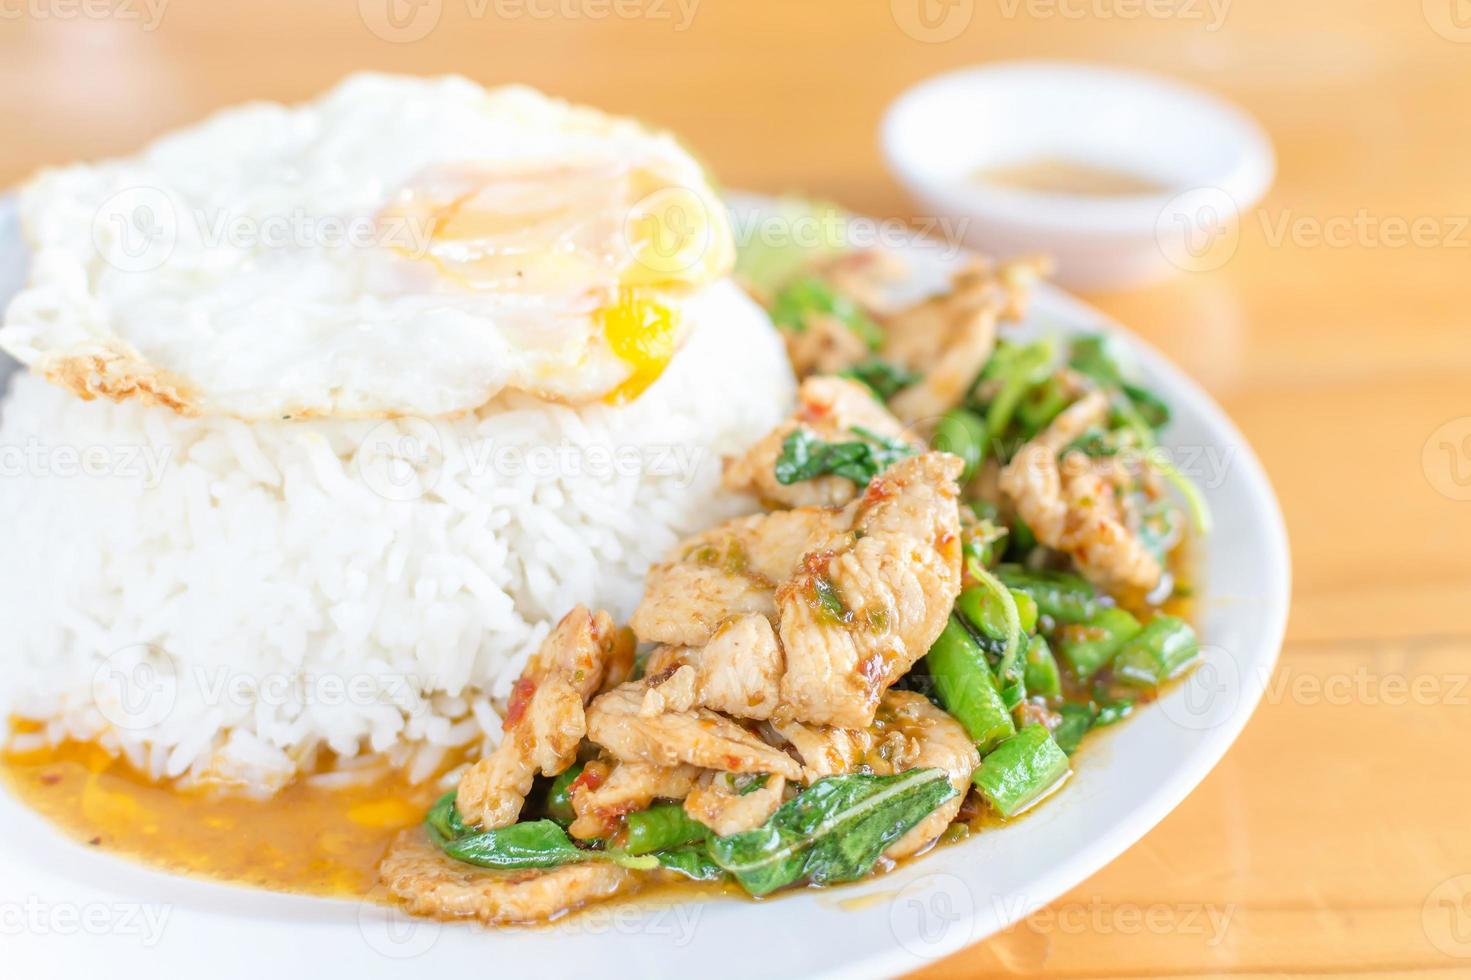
[{"x": 221, "y": 600}]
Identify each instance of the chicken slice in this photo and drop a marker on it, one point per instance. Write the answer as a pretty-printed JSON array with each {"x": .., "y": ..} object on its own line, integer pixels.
[
  {"x": 824, "y": 750},
  {"x": 699, "y": 737},
  {"x": 948, "y": 378},
  {"x": 738, "y": 672},
  {"x": 431, "y": 883},
  {"x": 825, "y": 345},
  {"x": 726, "y": 572},
  {"x": 600, "y": 801},
  {"x": 1072, "y": 504},
  {"x": 908, "y": 732},
  {"x": 545, "y": 722},
  {"x": 948, "y": 338},
  {"x": 719, "y": 803},
  {"x": 830, "y": 409},
  {"x": 868, "y": 604}
]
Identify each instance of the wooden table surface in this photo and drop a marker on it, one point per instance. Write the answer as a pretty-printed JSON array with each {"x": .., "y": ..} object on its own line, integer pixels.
[{"x": 1332, "y": 836}]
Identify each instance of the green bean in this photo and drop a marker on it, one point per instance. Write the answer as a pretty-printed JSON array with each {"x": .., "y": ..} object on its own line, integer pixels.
[
  {"x": 1087, "y": 647},
  {"x": 1041, "y": 674},
  {"x": 982, "y": 609},
  {"x": 1065, "y": 597},
  {"x": 1021, "y": 770},
  {"x": 964, "y": 434},
  {"x": 559, "y": 798},
  {"x": 1077, "y": 719},
  {"x": 1156, "y": 653},
  {"x": 965, "y": 686},
  {"x": 661, "y": 826}
]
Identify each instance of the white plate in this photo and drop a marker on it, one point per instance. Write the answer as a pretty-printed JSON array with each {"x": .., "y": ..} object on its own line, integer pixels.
[{"x": 66, "y": 911}]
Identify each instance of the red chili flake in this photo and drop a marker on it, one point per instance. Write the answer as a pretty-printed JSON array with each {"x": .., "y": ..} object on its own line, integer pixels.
[
  {"x": 50, "y": 778},
  {"x": 591, "y": 777},
  {"x": 521, "y": 694}
]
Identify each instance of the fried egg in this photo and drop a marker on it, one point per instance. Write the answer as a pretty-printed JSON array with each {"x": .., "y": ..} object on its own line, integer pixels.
[{"x": 401, "y": 246}]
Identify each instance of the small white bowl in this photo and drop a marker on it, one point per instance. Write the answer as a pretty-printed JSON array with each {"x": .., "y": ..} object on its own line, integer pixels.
[{"x": 1210, "y": 160}]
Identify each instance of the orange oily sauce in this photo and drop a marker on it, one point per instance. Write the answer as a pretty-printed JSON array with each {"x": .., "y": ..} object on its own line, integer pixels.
[{"x": 308, "y": 839}]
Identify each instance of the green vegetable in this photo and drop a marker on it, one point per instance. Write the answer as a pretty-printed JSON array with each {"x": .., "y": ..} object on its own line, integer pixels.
[
  {"x": 1087, "y": 647},
  {"x": 1017, "y": 369},
  {"x": 833, "y": 831},
  {"x": 1042, "y": 676},
  {"x": 659, "y": 827},
  {"x": 1077, "y": 719},
  {"x": 1110, "y": 712},
  {"x": 982, "y": 609},
  {"x": 1065, "y": 597},
  {"x": 691, "y": 860},
  {"x": 752, "y": 784},
  {"x": 559, "y": 799},
  {"x": 1149, "y": 406},
  {"x": 1021, "y": 770},
  {"x": 1200, "y": 513},
  {"x": 532, "y": 844},
  {"x": 769, "y": 261},
  {"x": 884, "y": 378},
  {"x": 1041, "y": 404},
  {"x": 804, "y": 457},
  {"x": 808, "y": 295},
  {"x": 1156, "y": 653},
  {"x": 1089, "y": 354},
  {"x": 1013, "y": 633},
  {"x": 444, "y": 817},
  {"x": 964, "y": 434},
  {"x": 965, "y": 686}
]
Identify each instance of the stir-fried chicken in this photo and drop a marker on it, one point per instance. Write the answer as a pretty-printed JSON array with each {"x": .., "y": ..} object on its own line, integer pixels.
[
  {"x": 718, "y": 803},
  {"x": 600, "y": 801},
  {"x": 738, "y": 672},
  {"x": 928, "y": 739},
  {"x": 824, "y": 750},
  {"x": 1072, "y": 503},
  {"x": 545, "y": 723},
  {"x": 908, "y": 732},
  {"x": 947, "y": 338},
  {"x": 431, "y": 883},
  {"x": 825, "y": 345},
  {"x": 831, "y": 409},
  {"x": 866, "y": 606},
  {"x": 699, "y": 737},
  {"x": 728, "y": 571}
]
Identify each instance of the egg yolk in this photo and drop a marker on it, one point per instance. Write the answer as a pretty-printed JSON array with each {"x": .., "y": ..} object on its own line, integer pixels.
[{"x": 642, "y": 332}]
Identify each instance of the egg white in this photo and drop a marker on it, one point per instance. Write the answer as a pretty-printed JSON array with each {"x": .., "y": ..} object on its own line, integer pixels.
[{"x": 281, "y": 261}]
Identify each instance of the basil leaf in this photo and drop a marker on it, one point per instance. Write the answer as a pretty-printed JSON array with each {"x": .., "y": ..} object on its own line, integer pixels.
[
  {"x": 809, "y": 295},
  {"x": 534, "y": 844},
  {"x": 833, "y": 831},
  {"x": 884, "y": 378},
  {"x": 803, "y": 456},
  {"x": 693, "y": 861}
]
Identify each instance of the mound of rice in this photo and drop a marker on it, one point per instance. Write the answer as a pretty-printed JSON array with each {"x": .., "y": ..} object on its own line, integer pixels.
[{"x": 220, "y": 600}]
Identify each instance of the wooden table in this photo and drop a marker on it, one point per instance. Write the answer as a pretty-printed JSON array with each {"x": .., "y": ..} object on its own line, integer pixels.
[{"x": 1343, "y": 352}]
